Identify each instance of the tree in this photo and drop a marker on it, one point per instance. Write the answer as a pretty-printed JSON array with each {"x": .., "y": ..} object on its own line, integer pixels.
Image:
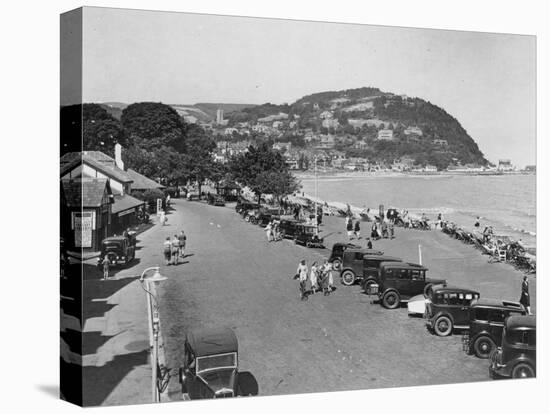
[
  {"x": 153, "y": 125},
  {"x": 264, "y": 171},
  {"x": 100, "y": 130}
]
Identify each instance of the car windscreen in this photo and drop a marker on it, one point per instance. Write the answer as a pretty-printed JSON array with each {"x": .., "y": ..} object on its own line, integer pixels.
[
  {"x": 521, "y": 337},
  {"x": 218, "y": 379},
  {"x": 217, "y": 361}
]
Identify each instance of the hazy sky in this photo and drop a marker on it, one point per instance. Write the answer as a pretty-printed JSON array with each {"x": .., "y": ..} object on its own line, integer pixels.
[{"x": 486, "y": 81}]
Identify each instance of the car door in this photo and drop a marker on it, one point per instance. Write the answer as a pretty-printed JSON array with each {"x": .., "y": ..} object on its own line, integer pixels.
[
  {"x": 417, "y": 282},
  {"x": 496, "y": 324},
  {"x": 403, "y": 281},
  {"x": 357, "y": 263},
  {"x": 462, "y": 316}
]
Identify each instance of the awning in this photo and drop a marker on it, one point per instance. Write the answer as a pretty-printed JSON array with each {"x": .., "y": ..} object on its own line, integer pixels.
[{"x": 125, "y": 204}]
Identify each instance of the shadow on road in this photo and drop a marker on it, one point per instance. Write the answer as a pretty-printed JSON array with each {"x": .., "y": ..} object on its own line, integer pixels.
[
  {"x": 51, "y": 390},
  {"x": 247, "y": 384}
]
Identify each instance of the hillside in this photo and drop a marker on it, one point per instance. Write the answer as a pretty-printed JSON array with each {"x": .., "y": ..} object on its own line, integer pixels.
[{"x": 418, "y": 129}]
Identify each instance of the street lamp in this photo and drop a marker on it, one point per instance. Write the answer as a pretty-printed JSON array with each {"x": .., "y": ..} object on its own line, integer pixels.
[{"x": 154, "y": 322}]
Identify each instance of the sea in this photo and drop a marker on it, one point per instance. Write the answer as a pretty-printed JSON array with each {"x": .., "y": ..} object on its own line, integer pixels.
[{"x": 506, "y": 202}]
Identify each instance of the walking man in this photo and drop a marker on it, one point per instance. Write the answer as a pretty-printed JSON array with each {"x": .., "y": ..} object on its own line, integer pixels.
[
  {"x": 182, "y": 240},
  {"x": 524, "y": 299},
  {"x": 349, "y": 228},
  {"x": 391, "y": 230},
  {"x": 105, "y": 264},
  {"x": 268, "y": 232},
  {"x": 175, "y": 249}
]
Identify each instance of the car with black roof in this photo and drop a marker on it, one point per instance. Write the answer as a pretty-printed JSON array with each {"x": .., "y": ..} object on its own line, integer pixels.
[
  {"x": 119, "y": 250},
  {"x": 487, "y": 317},
  {"x": 338, "y": 250},
  {"x": 400, "y": 281},
  {"x": 448, "y": 308},
  {"x": 363, "y": 268},
  {"x": 517, "y": 355},
  {"x": 308, "y": 235},
  {"x": 210, "y": 364}
]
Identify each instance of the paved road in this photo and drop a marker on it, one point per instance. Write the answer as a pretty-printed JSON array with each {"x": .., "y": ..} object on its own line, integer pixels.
[{"x": 234, "y": 277}]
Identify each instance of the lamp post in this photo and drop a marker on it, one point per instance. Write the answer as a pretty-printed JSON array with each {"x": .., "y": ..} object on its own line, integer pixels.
[
  {"x": 316, "y": 195},
  {"x": 154, "y": 323}
]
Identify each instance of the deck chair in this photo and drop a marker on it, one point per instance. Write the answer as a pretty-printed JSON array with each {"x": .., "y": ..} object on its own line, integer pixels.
[{"x": 501, "y": 255}]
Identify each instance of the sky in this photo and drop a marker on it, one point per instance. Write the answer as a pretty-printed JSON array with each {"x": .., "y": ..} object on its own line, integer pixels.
[{"x": 486, "y": 81}]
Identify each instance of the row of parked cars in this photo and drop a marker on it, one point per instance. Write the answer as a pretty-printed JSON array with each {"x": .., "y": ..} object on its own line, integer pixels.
[
  {"x": 497, "y": 329},
  {"x": 289, "y": 228}
]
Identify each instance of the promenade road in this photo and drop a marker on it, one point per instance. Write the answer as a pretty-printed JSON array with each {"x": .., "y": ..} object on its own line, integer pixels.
[{"x": 232, "y": 276}]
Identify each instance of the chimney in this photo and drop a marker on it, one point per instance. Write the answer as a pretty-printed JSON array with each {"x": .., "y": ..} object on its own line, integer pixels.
[{"x": 118, "y": 156}]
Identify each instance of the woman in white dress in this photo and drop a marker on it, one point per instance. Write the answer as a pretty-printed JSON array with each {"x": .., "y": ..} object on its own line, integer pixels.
[{"x": 313, "y": 277}]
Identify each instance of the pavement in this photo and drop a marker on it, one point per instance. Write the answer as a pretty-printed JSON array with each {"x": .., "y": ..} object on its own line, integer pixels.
[
  {"x": 115, "y": 356},
  {"x": 233, "y": 277}
]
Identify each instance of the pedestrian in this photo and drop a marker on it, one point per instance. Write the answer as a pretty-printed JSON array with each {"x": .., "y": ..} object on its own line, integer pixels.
[
  {"x": 313, "y": 277},
  {"x": 167, "y": 251},
  {"x": 175, "y": 249},
  {"x": 105, "y": 264},
  {"x": 384, "y": 229},
  {"x": 328, "y": 269},
  {"x": 268, "y": 231},
  {"x": 476, "y": 224},
  {"x": 391, "y": 230},
  {"x": 168, "y": 200},
  {"x": 163, "y": 218},
  {"x": 374, "y": 231},
  {"x": 302, "y": 278},
  {"x": 349, "y": 228},
  {"x": 524, "y": 299},
  {"x": 182, "y": 241},
  {"x": 369, "y": 244},
  {"x": 357, "y": 230}
]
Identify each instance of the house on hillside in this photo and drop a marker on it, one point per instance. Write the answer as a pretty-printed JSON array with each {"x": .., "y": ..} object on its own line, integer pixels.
[
  {"x": 282, "y": 146},
  {"x": 413, "y": 131},
  {"x": 440, "y": 142},
  {"x": 385, "y": 135},
  {"x": 505, "y": 165}
]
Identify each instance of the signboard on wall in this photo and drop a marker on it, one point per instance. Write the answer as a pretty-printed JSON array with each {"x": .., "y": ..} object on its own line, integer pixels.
[{"x": 83, "y": 222}]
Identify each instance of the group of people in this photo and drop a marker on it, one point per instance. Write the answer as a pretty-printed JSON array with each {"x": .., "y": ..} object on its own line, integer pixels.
[
  {"x": 382, "y": 230},
  {"x": 320, "y": 278},
  {"x": 354, "y": 230},
  {"x": 272, "y": 231},
  {"x": 174, "y": 248}
]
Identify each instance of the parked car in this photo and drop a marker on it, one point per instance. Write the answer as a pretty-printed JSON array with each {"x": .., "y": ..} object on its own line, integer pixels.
[
  {"x": 448, "y": 308},
  {"x": 243, "y": 206},
  {"x": 517, "y": 356},
  {"x": 338, "y": 250},
  {"x": 268, "y": 214},
  {"x": 307, "y": 235},
  {"x": 287, "y": 227},
  {"x": 487, "y": 318},
  {"x": 118, "y": 249},
  {"x": 215, "y": 200},
  {"x": 399, "y": 281},
  {"x": 210, "y": 364},
  {"x": 358, "y": 266},
  {"x": 252, "y": 215}
]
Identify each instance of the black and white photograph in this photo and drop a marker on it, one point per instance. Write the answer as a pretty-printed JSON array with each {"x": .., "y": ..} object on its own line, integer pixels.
[
  {"x": 268, "y": 207},
  {"x": 254, "y": 206}
]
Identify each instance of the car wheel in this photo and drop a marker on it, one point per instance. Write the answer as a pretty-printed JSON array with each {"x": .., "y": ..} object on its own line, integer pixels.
[
  {"x": 523, "y": 370},
  {"x": 443, "y": 326},
  {"x": 337, "y": 264},
  {"x": 483, "y": 347},
  {"x": 308, "y": 244},
  {"x": 247, "y": 219},
  {"x": 253, "y": 220},
  {"x": 348, "y": 277},
  {"x": 390, "y": 300}
]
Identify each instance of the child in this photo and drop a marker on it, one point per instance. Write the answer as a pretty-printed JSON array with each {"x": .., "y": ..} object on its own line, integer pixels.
[
  {"x": 105, "y": 264},
  {"x": 175, "y": 249}
]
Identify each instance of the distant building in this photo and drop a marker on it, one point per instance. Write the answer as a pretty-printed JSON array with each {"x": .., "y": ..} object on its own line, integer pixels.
[
  {"x": 385, "y": 134},
  {"x": 219, "y": 116},
  {"x": 505, "y": 165},
  {"x": 282, "y": 146},
  {"x": 358, "y": 123},
  {"x": 229, "y": 131},
  {"x": 430, "y": 168},
  {"x": 326, "y": 115},
  {"x": 440, "y": 142},
  {"x": 326, "y": 142},
  {"x": 277, "y": 124},
  {"x": 531, "y": 168},
  {"x": 414, "y": 131},
  {"x": 330, "y": 123}
]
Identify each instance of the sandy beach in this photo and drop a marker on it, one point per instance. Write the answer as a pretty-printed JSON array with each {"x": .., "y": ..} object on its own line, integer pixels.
[{"x": 234, "y": 277}]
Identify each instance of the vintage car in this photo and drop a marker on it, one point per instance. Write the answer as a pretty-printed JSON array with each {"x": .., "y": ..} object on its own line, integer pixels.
[
  {"x": 358, "y": 266},
  {"x": 243, "y": 206},
  {"x": 338, "y": 250},
  {"x": 287, "y": 227},
  {"x": 517, "y": 356},
  {"x": 268, "y": 214},
  {"x": 307, "y": 235},
  {"x": 210, "y": 364},
  {"x": 400, "y": 281},
  {"x": 448, "y": 308},
  {"x": 215, "y": 200},
  {"x": 252, "y": 215},
  {"x": 120, "y": 250},
  {"x": 487, "y": 318}
]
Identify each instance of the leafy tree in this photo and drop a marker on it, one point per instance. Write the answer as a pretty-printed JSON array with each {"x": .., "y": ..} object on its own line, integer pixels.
[
  {"x": 152, "y": 125},
  {"x": 100, "y": 130},
  {"x": 264, "y": 171}
]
